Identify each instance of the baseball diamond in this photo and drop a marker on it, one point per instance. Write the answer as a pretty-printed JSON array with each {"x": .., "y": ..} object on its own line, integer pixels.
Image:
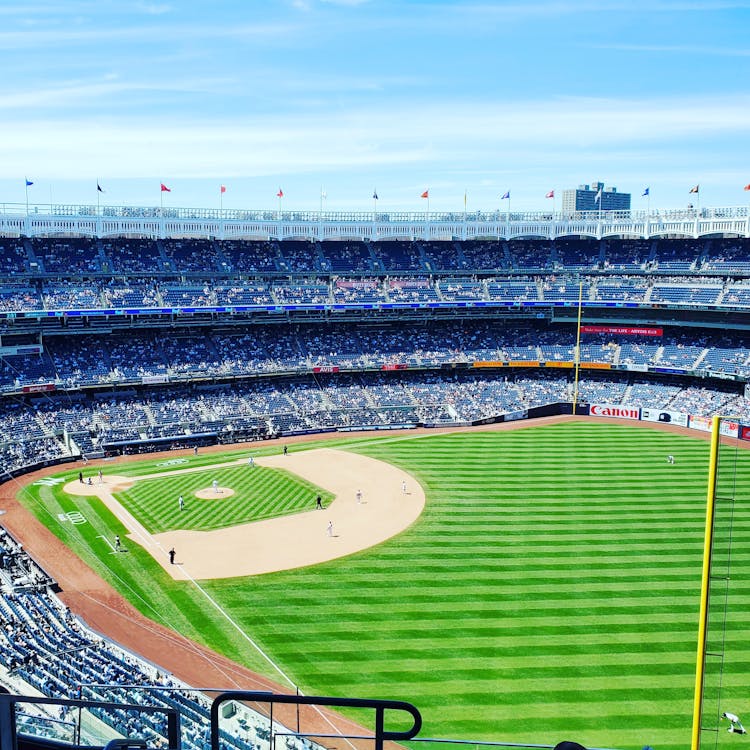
[{"x": 577, "y": 591}]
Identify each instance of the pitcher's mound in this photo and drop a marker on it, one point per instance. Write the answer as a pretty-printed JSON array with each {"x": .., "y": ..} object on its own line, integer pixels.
[{"x": 209, "y": 493}]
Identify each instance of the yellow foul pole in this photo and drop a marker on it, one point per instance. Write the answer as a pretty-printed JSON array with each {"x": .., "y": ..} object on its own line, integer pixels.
[
  {"x": 708, "y": 539},
  {"x": 578, "y": 346}
]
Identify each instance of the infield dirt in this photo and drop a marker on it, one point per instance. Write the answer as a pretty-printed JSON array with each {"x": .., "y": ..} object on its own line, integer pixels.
[{"x": 369, "y": 507}]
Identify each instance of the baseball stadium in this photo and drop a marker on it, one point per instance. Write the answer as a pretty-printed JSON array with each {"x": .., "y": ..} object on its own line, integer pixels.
[{"x": 324, "y": 480}]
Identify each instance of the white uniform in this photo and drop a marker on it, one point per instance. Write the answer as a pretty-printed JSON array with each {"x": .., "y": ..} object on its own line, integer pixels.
[{"x": 735, "y": 725}]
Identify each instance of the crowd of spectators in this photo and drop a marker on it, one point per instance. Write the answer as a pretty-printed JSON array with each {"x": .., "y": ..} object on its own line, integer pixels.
[
  {"x": 78, "y": 256},
  {"x": 186, "y": 354},
  {"x": 97, "y": 294},
  {"x": 81, "y": 274},
  {"x": 53, "y": 426},
  {"x": 45, "y": 648}
]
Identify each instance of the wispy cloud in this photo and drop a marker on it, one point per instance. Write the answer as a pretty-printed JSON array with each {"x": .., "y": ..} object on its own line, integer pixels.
[
  {"x": 590, "y": 128},
  {"x": 560, "y": 7},
  {"x": 677, "y": 49},
  {"x": 154, "y": 9},
  {"x": 52, "y": 38}
]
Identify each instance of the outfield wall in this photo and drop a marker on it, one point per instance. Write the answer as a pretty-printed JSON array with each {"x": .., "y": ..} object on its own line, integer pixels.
[{"x": 728, "y": 428}]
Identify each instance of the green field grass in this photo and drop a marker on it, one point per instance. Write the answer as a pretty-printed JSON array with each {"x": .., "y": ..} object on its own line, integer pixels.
[
  {"x": 259, "y": 493},
  {"x": 549, "y": 591}
]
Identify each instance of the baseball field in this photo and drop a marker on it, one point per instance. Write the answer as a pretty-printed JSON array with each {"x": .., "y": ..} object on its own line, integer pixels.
[{"x": 525, "y": 585}]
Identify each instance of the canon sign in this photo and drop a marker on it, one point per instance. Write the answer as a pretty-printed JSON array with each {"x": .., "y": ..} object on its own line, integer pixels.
[{"x": 608, "y": 410}]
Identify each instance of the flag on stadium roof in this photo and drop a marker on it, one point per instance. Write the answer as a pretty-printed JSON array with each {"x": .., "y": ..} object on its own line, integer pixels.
[
  {"x": 694, "y": 189},
  {"x": 598, "y": 196},
  {"x": 280, "y": 194},
  {"x": 426, "y": 194},
  {"x": 165, "y": 189},
  {"x": 646, "y": 192},
  {"x": 505, "y": 195},
  {"x": 375, "y": 194},
  {"x": 99, "y": 187},
  {"x": 223, "y": 189},
  {"x": 747, "y": 187},
  {"x": 29, "y": 183},
  {"x": 551, "y": 194}
]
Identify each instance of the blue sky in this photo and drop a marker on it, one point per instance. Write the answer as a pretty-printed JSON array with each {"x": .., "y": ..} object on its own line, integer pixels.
[{"x": 474, "y": 98}]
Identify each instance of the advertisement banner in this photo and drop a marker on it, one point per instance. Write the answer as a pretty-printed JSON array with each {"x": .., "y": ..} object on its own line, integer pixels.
[
  {"x": 489, "y": 363},
  {"x": 524, "y": 363},
  {"x": 395, "y": 367},
  {"x": 624, "y": 330},
  {"x": 38, "y": 388},
  {"x": 728, "y": 428},
  {"x": 700, "y": 423},
  {"x": 668, "y": 417},
  {"x": 10, "y": 351},
  {"x": 596, "y": 366},
  {"x": 154, "y": 379},
  {"x": 566, "y": 365},
  {"x": 745, "y": 432},
  {"x": 613, "y": 410},
  {"x": 324, "y": 369}
]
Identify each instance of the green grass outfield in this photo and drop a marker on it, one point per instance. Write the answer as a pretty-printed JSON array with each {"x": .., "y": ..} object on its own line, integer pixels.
[{"x": 550, "y": 590}]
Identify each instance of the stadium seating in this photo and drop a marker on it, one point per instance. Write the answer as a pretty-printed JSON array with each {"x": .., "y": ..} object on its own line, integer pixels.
[
  {"x": 43, "y": 647},
  {"x": 230, "y": 378}
]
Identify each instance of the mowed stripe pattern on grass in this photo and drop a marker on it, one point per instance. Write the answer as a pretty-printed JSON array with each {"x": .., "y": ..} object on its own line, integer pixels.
[
  {"x": 260, "y": 493},
  {"x": 550, "y": 590}
]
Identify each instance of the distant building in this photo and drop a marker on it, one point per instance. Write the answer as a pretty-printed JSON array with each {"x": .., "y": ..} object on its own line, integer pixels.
[{"x": 583, "y": 198}]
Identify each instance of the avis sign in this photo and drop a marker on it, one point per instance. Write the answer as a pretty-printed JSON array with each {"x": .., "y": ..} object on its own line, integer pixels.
[{"x": 613, "y": 410}]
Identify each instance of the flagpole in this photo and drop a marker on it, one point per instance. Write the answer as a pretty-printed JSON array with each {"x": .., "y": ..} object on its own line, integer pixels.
[
  {"x": 97, "y": 197},
  {"x": 506, "y": 197},
  {"x": 26, "y": 182},
  {"x": 465, "y": 199}
]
